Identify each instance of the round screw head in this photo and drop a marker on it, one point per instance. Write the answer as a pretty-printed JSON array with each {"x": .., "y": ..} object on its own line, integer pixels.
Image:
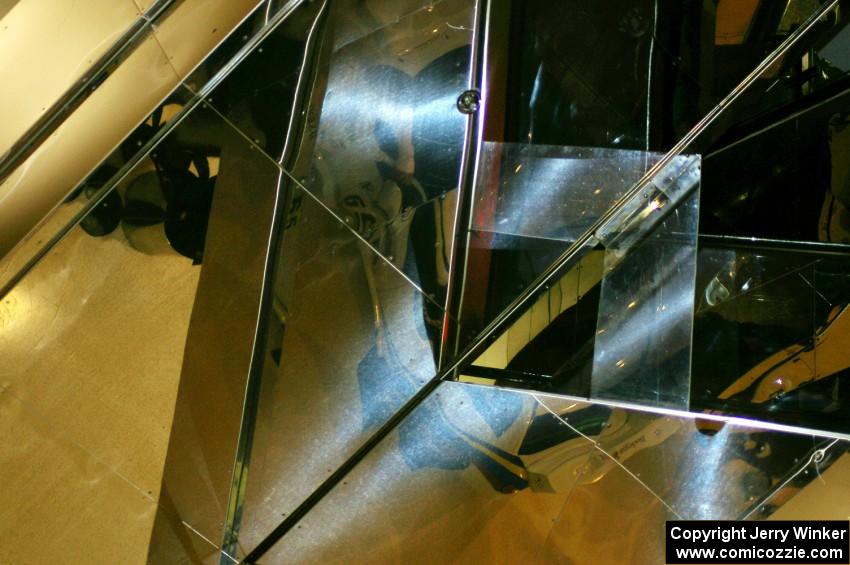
[{"x": 468, "y": 102}]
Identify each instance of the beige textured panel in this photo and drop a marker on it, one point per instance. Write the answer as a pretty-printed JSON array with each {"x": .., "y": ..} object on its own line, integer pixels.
[
  {"x": 83, "y": 140},
  {"x": 143, "y": 5},
  {"x": 178, "y": 544},
  {"x": 93, "y": 338},
  {"x": 20, "y": 255},
  {"x": 60, "y": 504},
  {"x": 45, "y": 47},
  {"x": 206, "y": 22}
]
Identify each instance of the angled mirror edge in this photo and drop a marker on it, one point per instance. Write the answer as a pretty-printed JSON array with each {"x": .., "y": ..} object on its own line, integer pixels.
[{"x": 206, "y": 420}]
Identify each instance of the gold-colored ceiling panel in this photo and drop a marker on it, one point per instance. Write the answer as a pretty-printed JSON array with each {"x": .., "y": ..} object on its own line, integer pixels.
[
  {"x": 83, "y": 140},
  {"x": 45, "y": 48}
]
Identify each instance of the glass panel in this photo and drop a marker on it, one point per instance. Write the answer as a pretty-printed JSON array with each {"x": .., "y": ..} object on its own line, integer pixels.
[
  {"x": 537, "y": 200},
  {"x": 483, "y": 474},
  {"x": 769, "y": 334},
  {"x": 642, "y": 352},
  {"x": 552, "y": 192},
  {"x": 346, "y": 347},
  {"x": 627, "y": 338}
]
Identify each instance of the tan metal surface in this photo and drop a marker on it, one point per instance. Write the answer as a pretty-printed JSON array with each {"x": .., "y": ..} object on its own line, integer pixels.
[
  {"x": 182, "y": 40},
  {"x": 91, "y": 344},
  {"x": 61, "y": 504},
  {"x": 45, "y": 47},
  {"x": 194, "y": 27},
  {"x": 85, "y": 138}
]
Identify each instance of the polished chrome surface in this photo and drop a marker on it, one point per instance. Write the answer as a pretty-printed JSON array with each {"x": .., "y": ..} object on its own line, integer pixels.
[
  {"x": 771, "y": 334},
  {"x": 475, "y": 474}
]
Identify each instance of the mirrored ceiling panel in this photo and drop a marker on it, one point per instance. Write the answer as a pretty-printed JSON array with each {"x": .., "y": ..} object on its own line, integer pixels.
[
  {"x": 770, "y": 332},
  {"x": 345, "y": 346},
  {"x": 478, "y": 473}
]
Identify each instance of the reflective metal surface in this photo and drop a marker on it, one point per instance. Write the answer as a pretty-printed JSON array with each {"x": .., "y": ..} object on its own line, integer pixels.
[
  {"x": 67, "y": 156},
  {"x": 138, "y": 144},
  {"x": 47, "y": 51},
  {"x": 346, "y": 340},
  {"x": 770, "y": 336},
  {"x": 220, "y": 339},
  {"x": 478, "y": 474},
  {"x": 93, "y": 338},
  {"x": 379, "y": 153},
  {"x": 305, "y": 203},
  {"x": 257, "y": 95},
  {"x": 388, "y": 134},
  {"x": 86, "y": 196},
  {"x": 127, "y": 91}
]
